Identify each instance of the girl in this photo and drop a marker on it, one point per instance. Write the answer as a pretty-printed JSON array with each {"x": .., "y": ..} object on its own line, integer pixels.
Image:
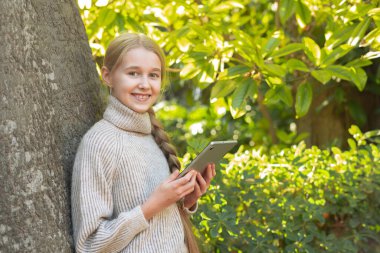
[{"x": 125, "y": 195}]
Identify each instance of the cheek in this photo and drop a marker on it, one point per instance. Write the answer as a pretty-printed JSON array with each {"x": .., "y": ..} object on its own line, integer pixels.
[
  {"x": 123, "y": 82},
  {"x": 156, "y": 87}
]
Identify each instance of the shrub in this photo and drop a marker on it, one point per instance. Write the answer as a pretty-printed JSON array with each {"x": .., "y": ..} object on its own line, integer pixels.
[{"x": 294, "y": 199}]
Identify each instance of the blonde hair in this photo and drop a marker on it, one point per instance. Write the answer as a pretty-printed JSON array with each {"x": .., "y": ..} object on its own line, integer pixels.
[{"x": 113, "y": 57}]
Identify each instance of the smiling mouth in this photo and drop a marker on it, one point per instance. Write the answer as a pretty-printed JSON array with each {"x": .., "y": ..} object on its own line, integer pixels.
[{"x": 141, "y": 97}]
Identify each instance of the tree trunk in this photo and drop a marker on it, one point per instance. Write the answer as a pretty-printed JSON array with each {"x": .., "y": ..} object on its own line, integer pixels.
[
  {"x": 49, "y": 97},
  {"x": 329, "y": 119}
]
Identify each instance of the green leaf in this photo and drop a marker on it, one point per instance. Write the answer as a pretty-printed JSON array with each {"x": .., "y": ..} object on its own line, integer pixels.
[
  {"x": 339, "y": 71},
  {"x": 356, "y": 75},
  {"x": 303, "y": 99},
  {"x": 374, "y": 12},
  {"x": 288, "y": 49},
  {"x": 370, "y": 37},
  {"x": 371, "y": 135},
  {"x": 120, "y": 22},
  {"x": 336, "y": 150},
  {"x": 275, "y": 69},
  {"x": 352, "y": 143},
  {"x": 286, "y": 10},
  {"x": 359, "y": 62},
  {"x": 359, "y": 32},
  {"x": 183, "y": 31},
  {"x": 136, "y": 26},
  {"x": 246, "y": 88},
  {"x": 339, "y": 36},
  {"x": 272, "y": 43},
  {"x": 322, "y": 76},
  {"x": 198, "y": 30},
  {"x": 214, "y": 231},
  {"x": 256, "y": 55},
  {"x": 273, "y": 80},
  {"x": 359, "y": 78},
  {"x": 222, "y": 88},
  {"x": 227, "y": 5},
  {"x": 272, "y": 96},
  {"x": 190, "y": 71},
  {"x": 294, "y": 64},
  {"x": 279, "y": 93},
  {"x": 183, "y": 44},
  {"x": 355, "y": 131},
  {"x": 237, "y": 70},
  {"x": 207, "y": 76},
  {"x": 286, "y": 95},
  {"x": 312, "y": 50},
  {"x": 106, "y": 17},
  {"x": 371, "y": 55},
  {"x": 336, "y": 54},
  {"x": 303, "y": 14},
  {"x": 284, "y": 137}
]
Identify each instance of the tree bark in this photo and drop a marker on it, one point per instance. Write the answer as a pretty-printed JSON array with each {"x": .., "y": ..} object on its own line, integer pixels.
[
  {"x": 329, "y": 124},
  {"x": 50, "y": 96}
]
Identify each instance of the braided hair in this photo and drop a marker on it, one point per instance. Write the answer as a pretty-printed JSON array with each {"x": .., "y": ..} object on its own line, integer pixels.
[{"x": 163, "y": 141}]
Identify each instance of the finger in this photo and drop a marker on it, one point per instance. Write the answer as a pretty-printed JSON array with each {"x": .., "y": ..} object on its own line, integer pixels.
[
  {"x": 204, "y": 173},
  {"x": 208, "y": 175},
  {"x": 203, "y": 185},
  {"x": 193, "y": 187},
  {"x": 189, "y": 186},
  {"x": 173, "y": 176},
  {"x": 185, "y": 179},
  {"x": 201, "y": 180},
  {"x": 187, "y": 192},
  {"x": 197, "y": 190}
]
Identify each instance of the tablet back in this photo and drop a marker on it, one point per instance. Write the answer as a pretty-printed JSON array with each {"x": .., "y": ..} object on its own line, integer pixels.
[{"x": 213, "y": 153}]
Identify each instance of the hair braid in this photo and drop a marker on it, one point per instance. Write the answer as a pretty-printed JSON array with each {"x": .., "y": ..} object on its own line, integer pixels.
[{"x": 163, "y": 141}]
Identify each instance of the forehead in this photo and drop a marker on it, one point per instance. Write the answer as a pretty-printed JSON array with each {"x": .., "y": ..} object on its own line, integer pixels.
[{"x": 141, "y": 57}]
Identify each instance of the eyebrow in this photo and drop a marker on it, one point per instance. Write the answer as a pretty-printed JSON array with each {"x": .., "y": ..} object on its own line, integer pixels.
[{"x": 137, "y": 67}]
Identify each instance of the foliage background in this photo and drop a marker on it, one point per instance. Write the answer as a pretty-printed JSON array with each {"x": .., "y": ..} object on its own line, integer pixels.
[{"x": 287, "y": 79}]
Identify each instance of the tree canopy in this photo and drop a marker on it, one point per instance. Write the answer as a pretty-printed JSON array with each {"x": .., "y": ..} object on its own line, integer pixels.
[{"x": 257, "y": 60}]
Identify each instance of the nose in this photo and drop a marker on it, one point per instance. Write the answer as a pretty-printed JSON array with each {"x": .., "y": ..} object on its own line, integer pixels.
[{"x": 144, "y": 82}]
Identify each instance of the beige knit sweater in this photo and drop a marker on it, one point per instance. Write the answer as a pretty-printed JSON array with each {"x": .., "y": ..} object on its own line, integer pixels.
[{"x": 117, "y": 166}]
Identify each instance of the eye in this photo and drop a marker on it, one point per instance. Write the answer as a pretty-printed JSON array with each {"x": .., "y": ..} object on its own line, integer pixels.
[
  {"x": 133, "y": 73},
  {"x": 154, "y": 75}
]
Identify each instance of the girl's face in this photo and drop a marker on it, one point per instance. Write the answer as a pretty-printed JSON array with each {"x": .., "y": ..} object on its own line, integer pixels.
[{"x": 136, "y": 82}]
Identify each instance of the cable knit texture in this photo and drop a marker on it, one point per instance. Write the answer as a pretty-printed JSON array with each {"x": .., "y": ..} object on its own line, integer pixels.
[{"x": 117, "y": 167}]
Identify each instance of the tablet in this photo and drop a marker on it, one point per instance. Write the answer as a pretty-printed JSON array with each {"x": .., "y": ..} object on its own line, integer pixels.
[{"x": 214, "y": 152}]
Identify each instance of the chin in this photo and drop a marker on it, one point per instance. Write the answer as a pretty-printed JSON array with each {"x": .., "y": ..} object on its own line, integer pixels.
[{"x": 141, "y": 110}]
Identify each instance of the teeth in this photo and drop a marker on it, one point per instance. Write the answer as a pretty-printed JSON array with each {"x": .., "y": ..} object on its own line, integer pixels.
[{"x": 141, "y": 97}]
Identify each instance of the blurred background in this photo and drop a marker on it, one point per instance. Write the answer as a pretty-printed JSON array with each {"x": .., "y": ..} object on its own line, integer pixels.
[{"x": 297, "y": 83}]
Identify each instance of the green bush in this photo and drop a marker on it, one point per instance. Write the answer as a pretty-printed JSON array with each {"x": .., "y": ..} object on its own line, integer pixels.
[{"x": 295, "y": 199}]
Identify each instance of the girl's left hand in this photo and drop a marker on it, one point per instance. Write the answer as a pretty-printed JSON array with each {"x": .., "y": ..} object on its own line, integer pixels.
[{"x": 201, "y": 185}]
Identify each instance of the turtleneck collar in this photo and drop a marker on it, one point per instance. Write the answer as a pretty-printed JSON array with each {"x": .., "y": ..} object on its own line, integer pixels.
[{"x": 125, "y": 118}]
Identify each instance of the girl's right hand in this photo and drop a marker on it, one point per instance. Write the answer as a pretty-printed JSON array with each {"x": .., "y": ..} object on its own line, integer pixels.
[{"x": 168, "y": 192}]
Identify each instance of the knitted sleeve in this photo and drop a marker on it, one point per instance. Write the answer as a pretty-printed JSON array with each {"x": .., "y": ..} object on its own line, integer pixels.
[{"x": 94, "y": 228}]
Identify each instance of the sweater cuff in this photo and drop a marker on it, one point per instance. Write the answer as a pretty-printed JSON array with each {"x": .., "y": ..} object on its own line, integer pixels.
[
  {"x": 138, "y": 218},
  {"x": 188, "y": 211}
]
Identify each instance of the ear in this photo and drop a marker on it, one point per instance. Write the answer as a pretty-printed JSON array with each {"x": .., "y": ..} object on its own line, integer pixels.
[{"x": 106, "y": 75}]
